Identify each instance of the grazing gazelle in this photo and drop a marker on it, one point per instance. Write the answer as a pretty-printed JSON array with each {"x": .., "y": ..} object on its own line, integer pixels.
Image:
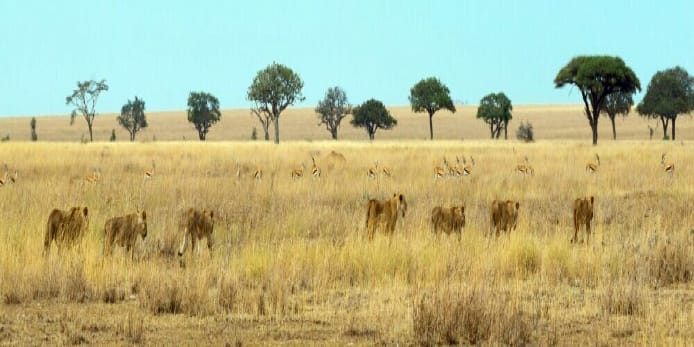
[
  {"x": 298, "y": 172},
  {"x": 4, "y": 179},
  {"x": 373, "y": 171},
  {"x": 315, "y": 170},
  {"x": 466, "y": 169},
  {"x": 668, "y": 167},
  {"x": 593, "y": 167},
  {"x": 94, "y": 176},
  {"x": 150, "y": 173},
  {"x": 439, "y": 171},
  {"x": 524, "y": 169},
  {"x": 258, "y": 174}
]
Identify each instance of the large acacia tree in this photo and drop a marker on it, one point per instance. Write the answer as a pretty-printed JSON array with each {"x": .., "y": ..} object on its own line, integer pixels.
[
  {"x": 495, "y": 109},
  {"x": 274, "y": 89},
  {"x": 617, "y": 104},
  {"x": 596, "y": 77},
  {"x": 132, "y": 117},
  {"x": 430, "y": 95},
  {"x": 203, "y": 112},
  {"x": 669, "y": 94},
  {"x": 83, "y": 99},
  {"x": 332, "y": 109},
  {"x": 372, "y": 115}
]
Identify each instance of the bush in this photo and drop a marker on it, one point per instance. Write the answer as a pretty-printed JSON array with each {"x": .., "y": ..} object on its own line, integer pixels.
[
  {"x": 113, "y": 135},
  {"x": 525, "y": 132},
  {"x": 622, "y": 299},
  {"x": 670, "y": 261},
  {"x": 254, "y": 134}
]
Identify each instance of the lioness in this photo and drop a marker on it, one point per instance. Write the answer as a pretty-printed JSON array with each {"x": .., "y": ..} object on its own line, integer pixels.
[
  {"x": 504, "y": 216},
  {"x": 448, "y": 219},
  {"x": 196, "y": 224},
  {"x": 583, "y": 214},
  {"x": 384, "y": 213},
  {"x": 65, "y": 227},
  {"x": 123, "y": 231}
]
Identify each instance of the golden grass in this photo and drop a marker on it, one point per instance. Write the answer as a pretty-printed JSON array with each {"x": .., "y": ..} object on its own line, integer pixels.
[{"x": 291, "y": 261}]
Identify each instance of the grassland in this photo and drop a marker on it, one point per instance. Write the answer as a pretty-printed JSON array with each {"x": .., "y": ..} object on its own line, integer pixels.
[{"x": 291, "y": 264}]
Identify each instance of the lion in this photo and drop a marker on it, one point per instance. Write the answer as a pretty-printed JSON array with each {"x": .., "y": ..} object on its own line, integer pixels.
[
  {"x": 504, "y": 216},
  {"x": 448, "y": 219},
  {"x": 196, "y": 224},
  {"x": 384, "y": 212},
  {"x": 583, "y": 214},
  {"x": 123, "y": 231},
  {"x": 66, "y": 227}
]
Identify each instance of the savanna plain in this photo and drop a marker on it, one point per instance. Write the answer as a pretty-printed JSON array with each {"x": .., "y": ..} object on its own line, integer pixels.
[{"x": 292, "y": 265}]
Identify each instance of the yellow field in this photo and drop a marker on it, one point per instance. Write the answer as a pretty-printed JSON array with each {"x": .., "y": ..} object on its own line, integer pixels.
[
  {"x": 561, "y": 122},
  {"x": 292, "y": 265}
]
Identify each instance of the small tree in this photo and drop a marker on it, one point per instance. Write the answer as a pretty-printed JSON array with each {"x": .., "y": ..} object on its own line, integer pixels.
[
  {"x": 34, "y": 137},
  {"x": 617, "y": 103},
  {"x": 597, "y": 77},
  {"x": 372, "y": 115},
  {"x": 495, "y": 110},
  {"x": 203, "y": 112},
  {"x": 274, "y": 89},
  {"x": 669, "y": 94},
  {"x": 332, "y": 109},
  {"x": 430, "y": 95},
  {"x": 113, "y": 135},
  {"x": 132, "y": 117},
  {"x": 83, "y": 99}
]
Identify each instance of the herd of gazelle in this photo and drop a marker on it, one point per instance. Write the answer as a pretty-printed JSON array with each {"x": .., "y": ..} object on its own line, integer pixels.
[{"x": 460, "y": 168}]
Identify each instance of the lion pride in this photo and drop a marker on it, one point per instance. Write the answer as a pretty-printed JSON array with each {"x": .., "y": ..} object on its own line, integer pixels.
[
  {"x": 384, "y": 214},
  {"x": 448, "y": 219},
  {"x": 504, "y": 216},
  {"x": 66, "y": 227},
  {"x": 583, "y": 214},
  {"x": 123, "y": 231},
  {"x": 196, "y": 224}
]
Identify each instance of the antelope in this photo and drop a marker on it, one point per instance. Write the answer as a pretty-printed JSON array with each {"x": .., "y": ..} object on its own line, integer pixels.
[
  {"x": 386, "y": 172},
  {"x": 315, "y": 171},
  {"x": 669, "y": 167},
  {"x": 373, "y": 171},
  {"x": 439, "y": 171},
  {"x": 299, "y": 171},
  {"x": 150, "y": 173},
  {"x": 593, "y": 167},
  {"x": 466, "y": 171},
  {"x": 524, "y": 169},
  {"x": 13, "y": 179},
  {"x": 4, "y": 179},
  {"x": 238, "y": 170},
  {"x": 472, "y": 161},
  {"x": 94, "y": 176},
  {"x": 258, "y": 173}
]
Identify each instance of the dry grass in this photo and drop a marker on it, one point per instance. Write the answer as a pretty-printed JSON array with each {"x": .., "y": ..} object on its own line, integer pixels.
[{"x": 291, "y": 261}]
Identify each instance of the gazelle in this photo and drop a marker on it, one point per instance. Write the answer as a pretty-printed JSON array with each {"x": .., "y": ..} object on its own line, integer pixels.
[
  {"x": 258, "y": 174},
  {"x": 94, "y": 176},
  {"x": 4, "y": 179},
  {"x": 466, "y": 170},
  {"x": 298, "y": 172},
  {"x": 386, "y": 172},
  {"x": 150, "y": 173},
  {"x": 440, "y": 172},
  {"x": 315, "y": 170},
  {"x": 524, "y": 169},
  {"x": 593, "y": 167},
  {"x": 13, "y": 179},
  {"x": 373, "y": 171},
  {"x": 669, "y": 167}
]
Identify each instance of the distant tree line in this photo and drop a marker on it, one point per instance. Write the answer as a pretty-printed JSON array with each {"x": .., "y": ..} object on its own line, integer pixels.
[{"x": 606, "y": 85}]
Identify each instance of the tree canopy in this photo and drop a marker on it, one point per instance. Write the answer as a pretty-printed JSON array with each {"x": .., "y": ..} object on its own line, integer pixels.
[
  {"x": 274, "y": 89},
  {"x": 332, "y": 109},
  {"x": 372, "y": 115},
  {"x": 84, "y": 99},
  {"x": 430, "y": 95},
  {"x": 597, "y": 77},
  {"x": 616, "y": 104},
  {"x": 495, "y": 110},
  {"x": 132, "y": 117},
  {"x": 203, "y": 112},
  {"x": 669, "y": 94}
]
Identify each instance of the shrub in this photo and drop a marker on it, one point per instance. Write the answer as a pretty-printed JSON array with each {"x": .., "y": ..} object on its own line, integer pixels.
[
  {"x": 525, "y": 132},
  {"x": 618, "y": 298},
  {"x": 671, "y": 261}
]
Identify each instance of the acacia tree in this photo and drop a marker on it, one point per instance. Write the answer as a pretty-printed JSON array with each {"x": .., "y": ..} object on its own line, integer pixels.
[
  {"x": 372, "y": 115},
  {"x": 430, "y": 95},
  {"x": 83, "y": 99},
  {"x": 597, "y": 77},
  {"x": 617, "y": 104},
  {"x": 132, "y": 117},
  {"x": 669, "y": 94},
  {"x": 332, "y": 109},
  {"x": 203, "y": 112},
  {"x": 495, "y": 110},
  {"x": 274, "y": 89}
]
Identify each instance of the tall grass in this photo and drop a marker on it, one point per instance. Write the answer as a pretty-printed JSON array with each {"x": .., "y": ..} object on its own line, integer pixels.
[{"x": 285, "y": 246}]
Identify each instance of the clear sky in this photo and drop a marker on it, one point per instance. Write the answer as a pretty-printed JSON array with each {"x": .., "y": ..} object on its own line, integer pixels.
[{"x": 162, "y": 50}]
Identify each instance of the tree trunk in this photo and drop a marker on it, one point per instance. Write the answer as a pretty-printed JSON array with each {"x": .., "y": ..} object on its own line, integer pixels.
[
  {"x": 201, "y": 135},
  {"x": 673, "y": 127},
  {"x": 431, "y": 127},
  {"x": 491, "y": 130},
  {"x": 506, "y": 130},
  {"x": 276, "y": 122},
  {"x": 267, "y": 132},
  {"x": 665, "y": 122},
  {"x": 333, "y": 132},
  {"x": 594, "y": 128},
  {"x": 91, "y": 137},
  {"x": 132, "y": 136},
  {"x": 614, "y": 131}
]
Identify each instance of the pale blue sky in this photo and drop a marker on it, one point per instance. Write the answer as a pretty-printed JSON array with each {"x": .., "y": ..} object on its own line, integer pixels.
[{"x": 162, "y": 50}]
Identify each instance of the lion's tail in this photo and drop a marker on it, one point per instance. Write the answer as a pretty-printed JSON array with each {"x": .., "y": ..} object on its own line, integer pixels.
[{"x": 47, "y": 239}]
